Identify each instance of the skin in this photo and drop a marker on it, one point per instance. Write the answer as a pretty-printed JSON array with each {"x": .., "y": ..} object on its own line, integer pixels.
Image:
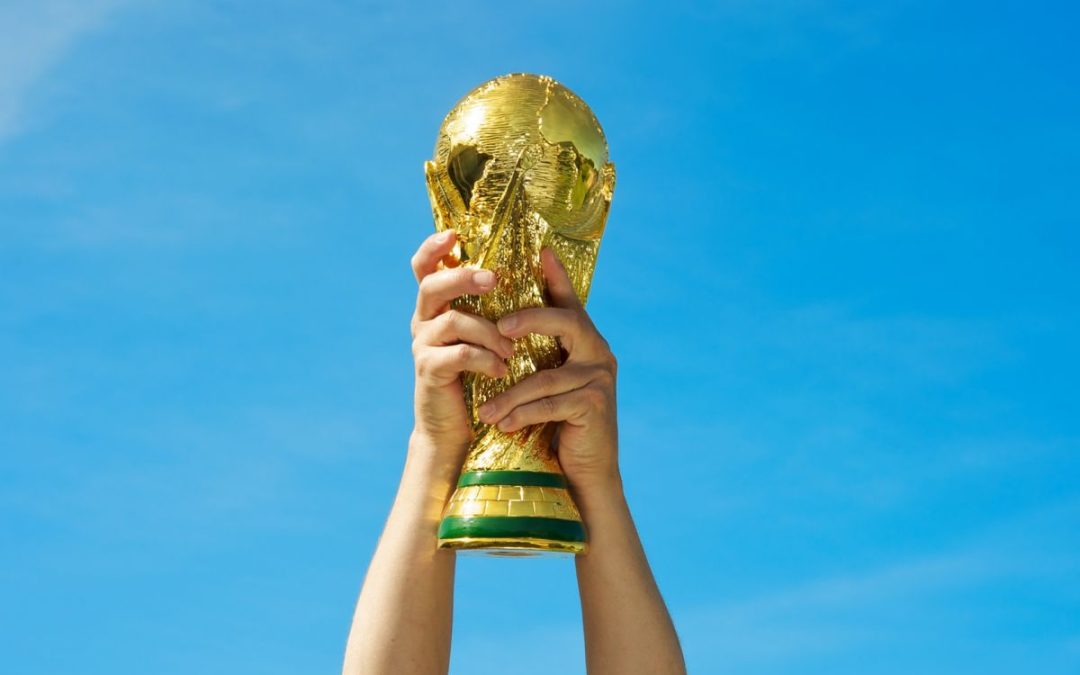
[{"x": 402, "y": 623}]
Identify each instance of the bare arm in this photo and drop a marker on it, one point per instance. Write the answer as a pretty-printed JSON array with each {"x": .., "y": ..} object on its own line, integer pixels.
[
  {"x": 627, "y": 627},
  {"x": 403, "y": 616},
  {"x": 402, "y": 619}
]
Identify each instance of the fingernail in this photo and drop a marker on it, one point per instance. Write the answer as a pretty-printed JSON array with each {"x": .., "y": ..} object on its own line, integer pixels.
[
  {"x": 443, "y": 236},
  {"x": 507, "y": 324},
  {"x": 505, "y": 424},
  {"x": 508, "y": 348},
  {"x": 484, "y": 278},
  {"x": 486, "y": 411}
]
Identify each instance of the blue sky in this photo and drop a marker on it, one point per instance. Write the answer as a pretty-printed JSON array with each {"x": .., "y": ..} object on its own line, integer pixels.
[{"x": 840, "y": 275}]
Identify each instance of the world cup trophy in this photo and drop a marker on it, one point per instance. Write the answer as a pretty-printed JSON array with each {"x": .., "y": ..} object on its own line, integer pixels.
[{"x": 521, "y": 164}]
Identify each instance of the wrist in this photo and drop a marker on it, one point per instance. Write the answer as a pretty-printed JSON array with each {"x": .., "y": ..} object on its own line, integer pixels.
[
  {"x": 430, "y": 461},
  {"x": 426, "y": 483},
  {"x": 598, "y": 493}
]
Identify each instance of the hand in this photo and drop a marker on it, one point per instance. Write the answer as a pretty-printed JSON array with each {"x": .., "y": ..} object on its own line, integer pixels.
[
  {"x": 448, "y": 342},
  {"x": 580, "y": 393}
]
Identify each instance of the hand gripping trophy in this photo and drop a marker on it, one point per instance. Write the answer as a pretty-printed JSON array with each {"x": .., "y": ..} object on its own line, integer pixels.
[{"x": 520, "y": 164}]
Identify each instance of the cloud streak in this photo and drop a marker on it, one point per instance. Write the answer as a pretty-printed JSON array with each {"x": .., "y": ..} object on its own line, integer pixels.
[
  {"x": 38, "y": 36},
  {"x": 849, "y": 613}
]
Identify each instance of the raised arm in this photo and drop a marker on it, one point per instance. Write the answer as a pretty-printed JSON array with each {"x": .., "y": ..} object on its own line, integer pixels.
[
  {"x": 403, "y": 616},
  {"x": 627, "y": 627}
]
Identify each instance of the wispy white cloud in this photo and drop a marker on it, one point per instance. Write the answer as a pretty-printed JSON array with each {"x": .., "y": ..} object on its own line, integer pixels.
[
  {"x": 36, "y": 36},
  {"x": 827, "y": 615},
  {"x": 845, "y": 612}
]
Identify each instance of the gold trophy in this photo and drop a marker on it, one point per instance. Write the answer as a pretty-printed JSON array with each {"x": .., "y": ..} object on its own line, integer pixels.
[{"x": 520, "y": 164}]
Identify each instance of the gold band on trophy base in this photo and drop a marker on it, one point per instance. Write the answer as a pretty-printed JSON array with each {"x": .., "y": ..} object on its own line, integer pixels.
[{"x": 520, "y": 164}]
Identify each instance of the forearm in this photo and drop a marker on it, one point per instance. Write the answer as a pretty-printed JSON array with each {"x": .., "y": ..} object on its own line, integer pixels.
[
  {"x": 402, "y": 622},
  {"x": 627, "y": 627}
]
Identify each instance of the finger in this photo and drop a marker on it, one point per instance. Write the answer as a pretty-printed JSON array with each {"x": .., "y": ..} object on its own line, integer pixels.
[
  {"x": 439, "y": 288},
  {"x": 568, "y": 407},
  {"x": 570, "y": 326},
  {"x": 443, "y": 364},
  {"x": 434, "y": 249},
  {"x": 560, "y": 288},
  {"x": 540, "y": 384},
  {"x": 453, "y": 326}
]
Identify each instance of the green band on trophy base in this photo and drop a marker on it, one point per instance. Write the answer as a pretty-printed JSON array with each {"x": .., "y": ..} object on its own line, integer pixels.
[
  {"x": 503, "y": 527},
  {"x": 524, "y": 478}
]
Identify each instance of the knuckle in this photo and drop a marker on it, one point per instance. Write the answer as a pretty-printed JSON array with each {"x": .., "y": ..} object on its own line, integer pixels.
[
  {"x": 548, "y": 405},
  {"x": 423, "y": 363},
  {"x": 605, "y": 358},
  {"x": 423, "y": 332},
  {"x": 581, "y": 322},
  {"x": 611, "y": 362},
  {"x": 595, "y": 398},
  {"x": 451, "y": 322},
  {"x": 462, "y": 354},
  {"x": 545, "y": 380},
  {"x": 426, "y": 283},
  {"x": 461, "y": 277},
  {"x": 605, "y": 377}
]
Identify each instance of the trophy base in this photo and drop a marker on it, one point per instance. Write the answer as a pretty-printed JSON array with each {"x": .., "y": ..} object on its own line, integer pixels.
[
  {"x": 524, "y": 547},
  {"x": 512, "y": 513}
]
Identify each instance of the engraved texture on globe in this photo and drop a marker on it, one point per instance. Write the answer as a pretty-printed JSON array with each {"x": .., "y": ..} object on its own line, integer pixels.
[{"x": 532, "y": 123}]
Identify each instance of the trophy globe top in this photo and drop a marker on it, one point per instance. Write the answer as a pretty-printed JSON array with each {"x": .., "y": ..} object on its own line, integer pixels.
[{"x": 526, "y": 129}]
